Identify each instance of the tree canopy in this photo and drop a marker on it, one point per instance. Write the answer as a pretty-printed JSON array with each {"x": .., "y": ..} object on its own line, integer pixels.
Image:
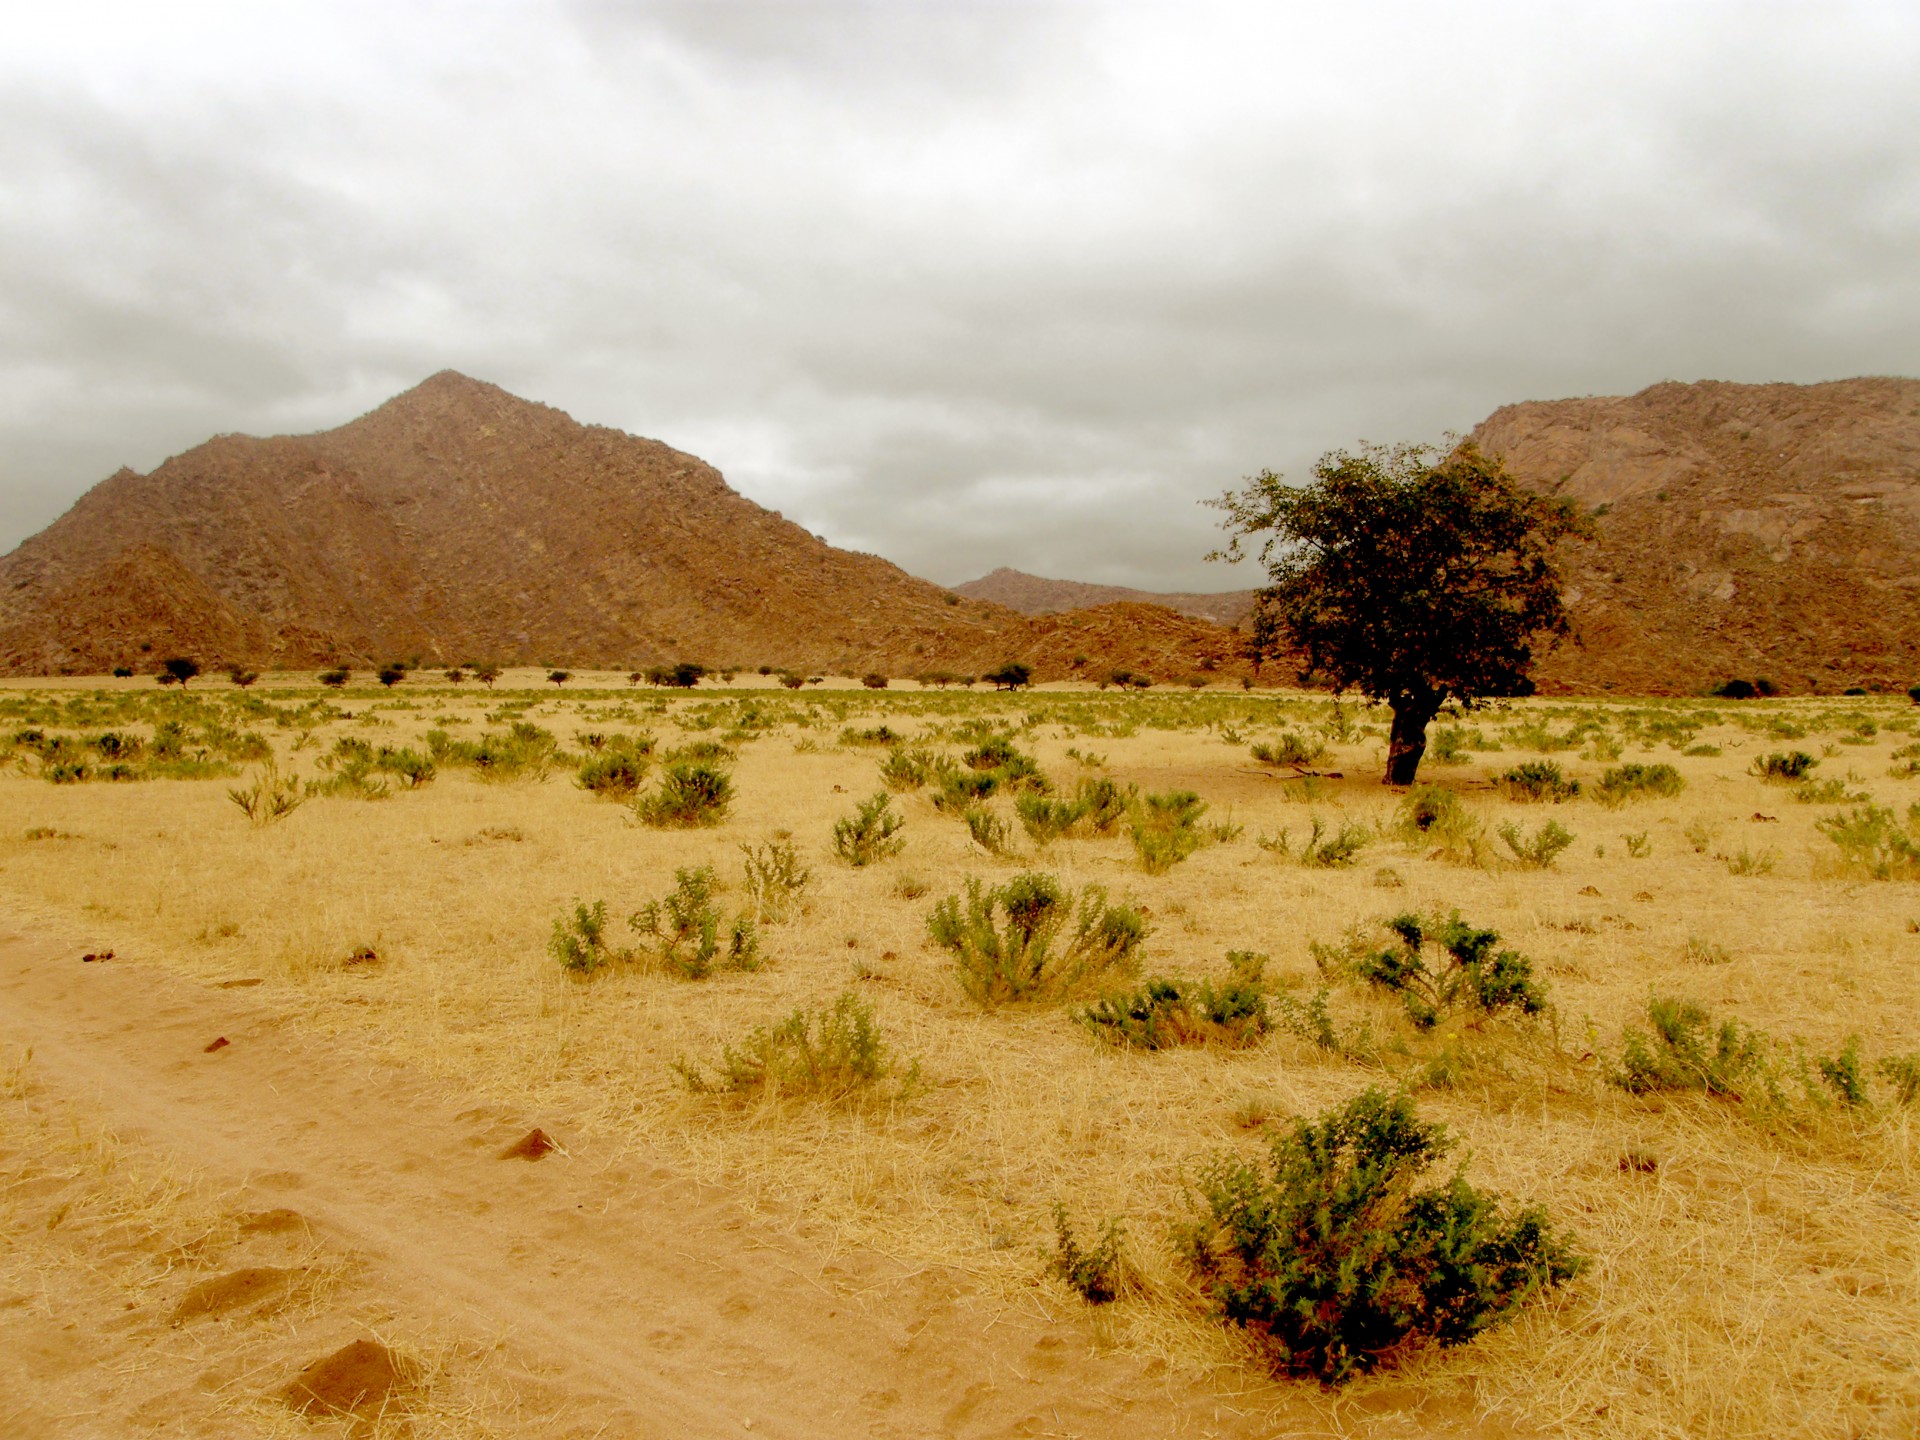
[{"x": 1412, "y": 576}]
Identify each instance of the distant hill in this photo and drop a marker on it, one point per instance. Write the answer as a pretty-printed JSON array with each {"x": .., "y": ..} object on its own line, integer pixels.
[
  {"x": 1742, "y": 531},
  {"x": 1036, "y": 595},
  {"x": 458, "y": 522}
]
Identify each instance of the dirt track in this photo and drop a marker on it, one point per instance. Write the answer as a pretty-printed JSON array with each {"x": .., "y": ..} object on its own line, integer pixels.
[{"x": 603, "y": 1293}]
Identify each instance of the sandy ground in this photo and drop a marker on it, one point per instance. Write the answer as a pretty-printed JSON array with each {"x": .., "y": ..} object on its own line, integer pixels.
[{"x": 586, "y": 1293}]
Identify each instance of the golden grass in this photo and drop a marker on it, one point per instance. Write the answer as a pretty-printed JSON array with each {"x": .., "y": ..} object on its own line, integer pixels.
[{"x": 1758, "y": 1281}]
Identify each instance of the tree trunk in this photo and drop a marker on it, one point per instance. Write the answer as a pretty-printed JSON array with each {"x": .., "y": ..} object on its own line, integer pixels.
[{"x": 1408, "y": 740}]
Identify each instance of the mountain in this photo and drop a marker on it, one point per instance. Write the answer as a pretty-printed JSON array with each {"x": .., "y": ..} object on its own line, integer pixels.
[
  {"x": 458, "y": 522},
  {"x": 1740, "y": 531},
  {"x": 1036, "y": 595}
]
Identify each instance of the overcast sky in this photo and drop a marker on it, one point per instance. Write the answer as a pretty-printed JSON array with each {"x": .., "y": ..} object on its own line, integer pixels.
[{"x": 963, "y": 284}]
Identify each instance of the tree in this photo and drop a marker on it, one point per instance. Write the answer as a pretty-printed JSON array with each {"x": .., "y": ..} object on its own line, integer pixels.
[
  {"x": 181, "y": 669},
  {"x": 1265, "y": 637},
  {"x": 1010, "y": 676},
  {"x": 391, "y": 675},
  {"x": 242, "y": 677},
  {"x": 486, "y": 674},
  {"x": 1413, "y": 577},
  {"x": 559, "y": 677},
  {"x": 334, "y": 679},
  {"x": 455, "y": 675}
]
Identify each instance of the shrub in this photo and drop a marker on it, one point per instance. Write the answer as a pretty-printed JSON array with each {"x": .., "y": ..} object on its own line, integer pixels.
[
  {"x": 1783, "y": 769},
  {"x": 1539, "y": 850},
  {"x": 1332, "y": 1257},
  {"x": 691, "y": 793},
  {"x": 1045, "y": 820},
  {"x": 523, "y": 750},
  {"x": 1102, "y": 804},
  {"x": 684, "y": 928},
  {"x": 1323, "y": 848},
  {"x": 271, "y": 797},
  {"x": 559, "y": 677},
  {"x": 334, "y": 679},
  {"x": 874, "y": 681},
  {"x": 1903, "y": 1073},
  {"x": 1166, "y": 828},
  {"x": 870, "y": 834},
  {"x": 1538, "y": 780},
  {"x": 1432, "y": 815},
  {"x": 455, "y": 675},
  {"x": 486, "y": 674},
  {"x": 579, "y": 942},
  {"x": 1164, "y": 1013},
  {"x": 1871, "y": 838},
  {"x": 1735, "y": 690},
  {"x": 242, "y": 678},
  {"x": 391, "y": 675},
  {"x": 180, "y": 669},
  {"x": 616, "y": 769},
  {"x": 1010, "y": 676},
  {"x": 1027, "y": 940},
  {"x": 1290, "y": 750},
  {"x": 123, "y": 672},
  {"x": 775, "y": 880},
  {"x": 1914, "y": 694},
  {"x": 1442, "y": 965},
  {"x": 1097, "y": 1274},
  {"x": 1635, "y": 782},
  {"x": 1682, "y": 1050},
  {"x": 834, "y": 1054},
  {"x": 988, "y": 830},
  {"x": 908, "y": 769}
]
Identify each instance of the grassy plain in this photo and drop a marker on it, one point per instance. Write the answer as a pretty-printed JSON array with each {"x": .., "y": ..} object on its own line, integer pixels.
[{"x": 1754, "y": 1256}]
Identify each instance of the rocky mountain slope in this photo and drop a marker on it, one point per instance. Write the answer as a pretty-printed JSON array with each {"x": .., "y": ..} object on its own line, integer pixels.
[
  {"x": 1036, "y": 595},
  {"x": 458, "y": 522},
  {"x": 1741, "y": 530}
]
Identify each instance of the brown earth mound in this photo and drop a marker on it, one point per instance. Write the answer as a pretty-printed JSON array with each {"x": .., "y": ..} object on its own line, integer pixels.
[
  {"x": 459, "y": 523},
  {"x": 1036, "y": 595}
]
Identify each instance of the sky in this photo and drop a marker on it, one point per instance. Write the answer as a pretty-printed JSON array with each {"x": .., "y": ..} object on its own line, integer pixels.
[{"x": 960, "y": 284}]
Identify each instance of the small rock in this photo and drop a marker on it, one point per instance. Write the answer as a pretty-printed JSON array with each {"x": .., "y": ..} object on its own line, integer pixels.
[
  {"x": 1588, "y": 890},
  {"x": 91, "y": 956},
  {"x": 219, "y": 1043},
  {"x": 533, "y": 1145}
]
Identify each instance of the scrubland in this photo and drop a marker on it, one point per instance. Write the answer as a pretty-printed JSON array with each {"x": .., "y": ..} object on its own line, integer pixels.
[{"x": 444, "y": 886}]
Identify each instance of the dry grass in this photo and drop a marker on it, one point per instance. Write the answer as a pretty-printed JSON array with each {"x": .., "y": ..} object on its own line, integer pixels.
[{"x": 1756, "y": 1281}]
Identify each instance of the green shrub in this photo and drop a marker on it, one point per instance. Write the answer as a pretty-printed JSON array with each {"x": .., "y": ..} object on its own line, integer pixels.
[
  {"x": 1831, "y": 791},
  {"x": 1324, "y": 848},
  {"x": 1290, "y": 750},
  {"x": 908, "y": 769},
  {"x": 1045, "y": 819},
  {"x": 961, "y": 789},
  {"x": 1096, "y": 1274},
  {"x": 1783, "y": 769},
  {"x": 1333, "y": 1259},
  {"x": 1011, "y": 676},
  {"x": 1539, "y": 850},
  {"x": 691, "y": 793},
  {"x": 1871, "y": 839},
  {"x": 522, "y": 751},
  {"x": 579, "y": 942},
  {"x": 271, "y": 797},
  {"x": 1844, "y": 1074},
  {"x": 684, "y": 928},
  {"x": 1439, "y": 966},
  {"x": 1164, "y": 1013},
  {"x": 616, "y": 766},
  {"x": 835, "y": 1054},
  {"x": 870, "y": 834},
  {"x": 1028, "y": 940},
  {"x": 1538, "y": 780},
  {"x": 775, "y": 880},
  {"x": 1165, "y": 827},
  {"x": 1432, "y": 815},
  {"x": 988, "y": 830},
  {"x": 1903, "y": 1073},
  {"x": 1102, "y": 805},
  {"x": 1636, "y": 782},
  {"x": 1681, "y": 1049}
]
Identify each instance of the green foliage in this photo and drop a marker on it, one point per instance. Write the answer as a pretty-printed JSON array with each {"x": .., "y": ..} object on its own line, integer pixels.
[
  {"x": 1334, "y": 1258},
  {"x": 1902, "y": 1071},
  {"x": 1028, "y": 940},
  {"x": 1539, "y": 850},
  {"x": 1288, "y": 750},
  {"x": 1844, "y": 1074},
  {"x": 1096, "y": 1274},
  {"x": 1411, "y": 576},
  {"x": 522, "y": 751},
  {"x": 987, "y": 829},
  {"x": 1681, "y": 1049},
  {"x": 1165, "y": 827},
  {"x": 1324, "y": 847},
  {"x": 616, "y": 768},
  {"x": 271, "y": 797},
  {"x": 1011, "y": 676},
  {"x": 1164, "y": 1013},
  {"x": 870, "y": 834},
  {"x": 835, "y": 1054},
  {"x": 1783, "y": 769},
  {"x": 1439, "y": 966},
  {"x": 905, "y": 769},
  {"x": 355, "y": 770},
  {"x": 691, "y": 793},
  {"x": 1538, "y": 780},
  {"x": 775, "y": 880},
  {"x": 579, "y": 941},
  {"x": 1638, "y": 782},
  {"x": 1872, "y": 840},
  {"x": 1430, "y": 815},
  {"x": 684, "y": 928}
]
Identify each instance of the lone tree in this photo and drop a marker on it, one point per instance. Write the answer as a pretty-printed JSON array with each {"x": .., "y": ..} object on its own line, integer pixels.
[
  {"x": 1413, "y": 577},
  {"x": 180, "y": 669}
]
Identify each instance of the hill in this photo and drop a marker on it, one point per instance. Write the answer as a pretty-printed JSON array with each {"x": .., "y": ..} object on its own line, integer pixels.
[
  {"x": 1036, "y": 595},
  {"x": 459, "y": 522},
  {"x": 1741, "y": 531}
]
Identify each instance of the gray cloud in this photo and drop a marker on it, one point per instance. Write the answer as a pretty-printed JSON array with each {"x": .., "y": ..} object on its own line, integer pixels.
[{"x": 964, "y": 285}]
